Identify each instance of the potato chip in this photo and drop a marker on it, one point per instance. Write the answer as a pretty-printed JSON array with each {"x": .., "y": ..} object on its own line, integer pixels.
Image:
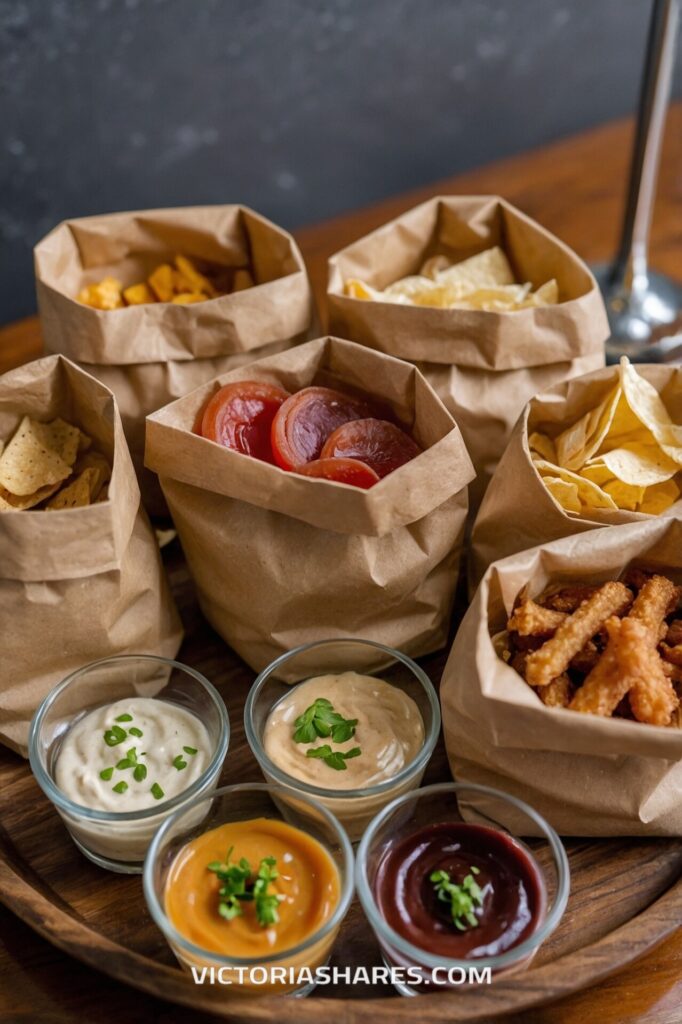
[
  {"x": 640, "y": 465},
  {"x": 565, "y": 492},
  {"x": 582, "y": 439},
  {"x": 543, "y": 445},
  {"x": 591, "y": 495},
  {"x": 648, "y": 407},
  {"x": 412, "y": 286},
  {"x": 659, "y": 498},
  {"x": 161, "y": 282},
  {"x": 104, "y": 295},
  {"x": 29, "y": 462},
  {"x": 75, "y": 494},
  {"x": 138, "y": 294}
]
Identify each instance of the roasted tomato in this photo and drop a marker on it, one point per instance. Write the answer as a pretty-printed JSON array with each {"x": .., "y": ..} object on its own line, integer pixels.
[
  {"x": 378, "y": 443},
  {"x": 305, "y": 421},
  {"x": 344, "y": 471},
  {"x": 240, "y": 416}
]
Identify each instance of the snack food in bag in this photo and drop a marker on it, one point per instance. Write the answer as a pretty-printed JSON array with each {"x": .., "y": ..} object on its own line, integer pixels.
[
  {"x": 489, "y": 305},
  {"x": 589, "y": 773},
  {"x": 81, "y": 580},
  {"x": 279, "y": 558},
  {"x": 150, "y": 352},
  {"x": 619, "y": 430}
]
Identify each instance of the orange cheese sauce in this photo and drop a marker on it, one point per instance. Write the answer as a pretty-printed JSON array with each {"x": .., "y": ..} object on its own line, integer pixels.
[{"x": 308, "y": 880}]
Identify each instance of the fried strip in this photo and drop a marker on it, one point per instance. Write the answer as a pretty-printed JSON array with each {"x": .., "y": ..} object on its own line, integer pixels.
[
  {"x": 531, "y": 619},
  {"x": 604, "y": 688},
  {"x": 674, "y": 634},
  {"x": 652, "y": 697},
  {"x": 586, "y": 659},
  {"x": 568, "y": 599},
  {"x": 558, "y": 693},
  {"x": 672, "y": 654},
  {"x": 651, "y": 605},
  {"x": 554, "y": 657}
]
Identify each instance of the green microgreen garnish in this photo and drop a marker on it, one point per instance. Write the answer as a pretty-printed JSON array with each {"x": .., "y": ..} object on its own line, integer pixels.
[
  {"x": 320, "y": 719},
  {"x": 134, "y": 731},
  {"x": 237, "y": 888},
  {"x": 157, "y": 792},
  {"x": 140, "y": 772},
  {"x": 123, "y": 718},
  {"x": 190, "y": 750},
  {"x": 114, "y": 736},
  {"x": 120, "y": 787},
  {"x": 179, "y": 762},
  {"x": 106, "y": 774},
  {"x": 463, "y": 899},
  {"x": 336, "y": 759}
]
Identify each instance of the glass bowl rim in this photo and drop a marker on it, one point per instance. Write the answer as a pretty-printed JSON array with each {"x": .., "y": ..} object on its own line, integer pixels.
[
  {"x": 419, "y": 762},
  {"x": 174, "y": 937},
  {"x": 62, "y": 802},
  {"x": 422, "y": 957}
]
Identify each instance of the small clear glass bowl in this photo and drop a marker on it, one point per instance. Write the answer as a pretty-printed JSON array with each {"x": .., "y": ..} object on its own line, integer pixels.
[
  {"x": 472, "y": 804},
  {"x": 354, "y": 808},
  {"x": 262, "y": 975},
  {"x": 117, "y": 840}
]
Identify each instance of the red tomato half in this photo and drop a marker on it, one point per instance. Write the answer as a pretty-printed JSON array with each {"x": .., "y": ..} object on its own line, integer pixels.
[
  {"x": 377, "y": 443},
  {"x": 240, "y": 416},
  {"x": 305, "y": 421},
  {"x": 344, "y": 471}
]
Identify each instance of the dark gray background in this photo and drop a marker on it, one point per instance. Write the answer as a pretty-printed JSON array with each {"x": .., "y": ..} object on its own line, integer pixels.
[{"x": 299, "y": 108}]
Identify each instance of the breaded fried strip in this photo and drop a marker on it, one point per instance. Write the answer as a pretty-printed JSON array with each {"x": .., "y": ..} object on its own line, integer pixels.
[
  {"x": 586, "y": 659},
  {"x": 604, "y": 688},
  {"x": 568, "y": 598},
  {"x": 558, "y": 693},
  {"x": 674, "y": 634},
  {"x": 672, "y": 654},
  {"x": 531, "y": 619},
  {"x": 651, "y": 605},
  {"x": 553, "y": 658},
  {"x": 652, "y": 697}
]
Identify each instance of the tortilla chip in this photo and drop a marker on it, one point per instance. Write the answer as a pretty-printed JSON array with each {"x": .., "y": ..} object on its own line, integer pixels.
[
  {"x": 565, "y": 492},
  {"x": 357, "y": 289},
  {"x": 100, "y": 464},
  {"x": 75, "y": 494},
  {"x": 15, "y": 503},
  {"x": 640, "y": 465},
  {"x": 543, "y": 445},
  {"x": 484, "y": 270},
  {"x": 597, "y": 472},
  {"x": 590, "y": 494},
  {"x": 30, "y": 462},
  {"x": 582, "y": 439},
  {"x": 659, "y": 498},
  {"x": 648, "y": 407},
  {"x": 626, "y": 496},
  {"x": 433, "y": 266}
]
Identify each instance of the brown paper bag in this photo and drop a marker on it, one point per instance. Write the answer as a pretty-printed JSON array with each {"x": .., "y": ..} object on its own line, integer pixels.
[
  {"x": 79, "y": 584},
  {"x": 148, "y": 355},
  {"x": 280, "y": 559},
  {"x": 518, "y": 511},
  {"x": 484, "y": 366},
  {"x": 587, "y": 775}
]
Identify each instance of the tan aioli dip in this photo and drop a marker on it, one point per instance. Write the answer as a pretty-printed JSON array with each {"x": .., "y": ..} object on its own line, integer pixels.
[{"x": 389, "y": 733}]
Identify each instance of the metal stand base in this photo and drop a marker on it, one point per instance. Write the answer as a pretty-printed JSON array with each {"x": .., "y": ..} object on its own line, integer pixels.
[{"x": 645, "y": 318}]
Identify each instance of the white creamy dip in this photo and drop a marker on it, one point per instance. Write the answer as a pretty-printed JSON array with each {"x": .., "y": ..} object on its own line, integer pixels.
[{"x": 131, "y": 755}]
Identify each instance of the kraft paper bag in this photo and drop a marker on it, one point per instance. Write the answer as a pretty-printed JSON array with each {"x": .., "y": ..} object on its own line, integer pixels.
[
  {"x": 518, "y": 511},
  {"x": 589, "y": 776},
  {"x": 281, "y": 559},
  {"x": 150, "y": 354},
  {"x": 76, "y": 584},
  {"x": 484, "y": 366}
]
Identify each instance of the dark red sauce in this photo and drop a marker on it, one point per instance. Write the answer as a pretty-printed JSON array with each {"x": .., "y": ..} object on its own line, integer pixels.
[{"x": 513, "y": 891}]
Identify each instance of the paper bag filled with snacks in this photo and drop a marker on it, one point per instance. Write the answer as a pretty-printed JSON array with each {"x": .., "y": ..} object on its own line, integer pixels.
[
  {"x": 489, "y": 306},
  {"x": 564, "y": 682},
  {"x": 80, "y": 572},
  {"x": 318, "y": 493},
  {"x": 603, "y": 449},
  {"x": 156, "y": 302}
]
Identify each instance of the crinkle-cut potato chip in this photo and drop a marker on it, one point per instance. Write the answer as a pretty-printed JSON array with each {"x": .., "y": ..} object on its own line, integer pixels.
[
  {"x": 19, "y": 503},
  {"x": 648, "y": 407},
  {"x": 659, "y": 498},
  {"x": 543, "y": 445},
  {"x": 75, "y": 494},
  {"x": 106, "y": 294},
  {"x": 590, "y": 494},
  {"x": 640, "y": 465},
  {"x": 29, "y": 461},
  {"x": 565, "y": 492},
  {"x": 579, "y": 442},
  {"x": 488, "y": 268},
  {"x": 138, "y": 294}
]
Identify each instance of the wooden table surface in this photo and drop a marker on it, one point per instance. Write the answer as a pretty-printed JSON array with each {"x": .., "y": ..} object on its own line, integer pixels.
[{"x": 575, "y": 188}]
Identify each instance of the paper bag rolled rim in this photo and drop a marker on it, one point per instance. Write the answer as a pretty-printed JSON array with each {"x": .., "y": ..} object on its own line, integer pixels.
[
  {"x": 521, "y": 719},
  {"x": 155, "y": 332},
  {"x": 404, "y": 496},
  {"x": 476, "y": 338},
  {"x": 38, "y": 545}
]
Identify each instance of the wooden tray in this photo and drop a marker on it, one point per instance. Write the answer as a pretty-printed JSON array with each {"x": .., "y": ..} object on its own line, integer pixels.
[{"x": 626, "y": 894}]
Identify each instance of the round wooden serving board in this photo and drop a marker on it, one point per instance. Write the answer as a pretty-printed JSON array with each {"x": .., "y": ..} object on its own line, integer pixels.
[{"x": 626, "y": 894}]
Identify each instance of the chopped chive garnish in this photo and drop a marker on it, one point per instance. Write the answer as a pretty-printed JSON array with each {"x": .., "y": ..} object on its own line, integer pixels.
[
  {"x": 134, "y": 731},
  {"x": 120, "y": 787},
  {"x": 179, "y": 762},
  {"x": 157, "y": 792},
  {"x": 106, "y": 774},
  {"x": 123, "y": 718},
  {"x": 190, "y": 750},
  {"x": 140, "y": 773},
  {"x": 123, "y": 763},
  {"x": 114, "y": 736}
]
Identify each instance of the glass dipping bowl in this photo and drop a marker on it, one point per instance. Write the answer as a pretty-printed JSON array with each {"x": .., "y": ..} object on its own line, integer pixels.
[
  {"x": 118, "y": 840},
  {"x": 455, "y": 802},
  {"x": 354, "y": 808},
  {"x": 249, "y": 976}
]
